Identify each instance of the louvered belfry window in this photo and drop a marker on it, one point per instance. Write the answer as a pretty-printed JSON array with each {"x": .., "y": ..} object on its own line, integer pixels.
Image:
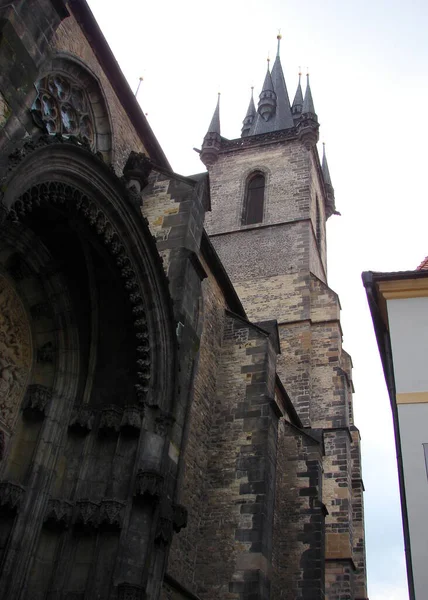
[{"x": 254, "y": 199}]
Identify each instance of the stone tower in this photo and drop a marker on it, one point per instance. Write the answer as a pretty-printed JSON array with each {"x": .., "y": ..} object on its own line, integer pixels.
[{"x": 271, "y": 197}]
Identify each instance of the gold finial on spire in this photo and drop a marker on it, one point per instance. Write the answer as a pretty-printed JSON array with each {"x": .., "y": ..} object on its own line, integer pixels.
[
  {"x": 300, "y": 71},
  {"x": 279, "y": 38},
  {"x": 138, "y": 87}
]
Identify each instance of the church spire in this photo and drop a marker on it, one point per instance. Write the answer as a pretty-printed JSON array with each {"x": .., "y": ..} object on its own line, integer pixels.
[
  {"x": 249, "y": 117},
  {"x": 274, "y": 111},
  {"x": 267, "y": 101},
  {"x": 212, "y": 139},
  {"x": 308, "y": 125},
  {"x": 308, "y": 103},
  {"x": 331, "y": 207},
  {"x": 297, "y": 106}
]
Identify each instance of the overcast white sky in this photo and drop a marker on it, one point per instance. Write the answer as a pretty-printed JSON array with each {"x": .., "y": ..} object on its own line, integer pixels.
[{"x": 368, "y": 62}]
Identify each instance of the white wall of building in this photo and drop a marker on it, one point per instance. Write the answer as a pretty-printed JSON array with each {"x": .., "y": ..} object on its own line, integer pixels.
[
  {"x": 413, "y": 422},
  {"x": 408, "y": 323}
]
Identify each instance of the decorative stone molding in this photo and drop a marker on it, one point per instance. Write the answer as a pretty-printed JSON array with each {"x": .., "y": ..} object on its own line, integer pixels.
[
  {"x": 75, "y": 200},
  {"x": 148, "y": 485},
  {"x": 111, "y": 513},
  {"x": 37, "y": 400},
  {"x": 87, "y": 513},
  {"x": 131, "y": 421},
  {"x": 180, "y": 514},
  {"x": 128, "y": 591},
  {"x": 58, "y": 513},
  {"x": 82, "y": 420},
  {"x": 163, "y": 424},
  {"x": 11, "y": 495},
  {"x": 111, "y": 418},
  {"x": 136, "y": 171}
]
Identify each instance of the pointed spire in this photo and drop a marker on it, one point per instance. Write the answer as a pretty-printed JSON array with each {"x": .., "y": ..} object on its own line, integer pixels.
[
  {"x": 325, "y": 171},
  {"x": 330, "y": 201},
  {"x": 307, "y": 125},
  {"x": 297, "y": 107},
  {"x": 212, "y": 140},
  {"x": 267, "y": 101},
  {"x": 308, "y": 103},
  {"x": 215, "y": 121},
  {"x": 250, "y": 116}
]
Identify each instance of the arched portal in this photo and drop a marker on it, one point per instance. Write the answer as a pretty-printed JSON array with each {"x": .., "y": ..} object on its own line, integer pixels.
[{"x": 95, "y": 371}]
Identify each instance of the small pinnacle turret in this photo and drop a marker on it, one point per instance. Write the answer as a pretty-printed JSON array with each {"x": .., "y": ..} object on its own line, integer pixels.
[
  {"x": 297, "y": 106},
  {"x": 308, "y": 125},
  {"x": 212, "y": 139},
  {"x": 267, "y": 100},
  {"x": 331, "y": 207},
  {"x": 249, "y": 117}
]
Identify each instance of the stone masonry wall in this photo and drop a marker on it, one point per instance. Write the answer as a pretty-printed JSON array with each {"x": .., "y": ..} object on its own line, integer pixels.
[
  {"x": 233, "y": 559},
  {"x": 298, "y": 557}
]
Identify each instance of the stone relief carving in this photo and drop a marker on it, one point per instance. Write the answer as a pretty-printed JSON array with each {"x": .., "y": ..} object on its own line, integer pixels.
[
  {"x": 111, "y": 513},
  {"x": 111, "y": 417},
  {"x": 63, "y": 107},
  {"x": 37, "y": 399},
  {"x": 15, "y": 351}
]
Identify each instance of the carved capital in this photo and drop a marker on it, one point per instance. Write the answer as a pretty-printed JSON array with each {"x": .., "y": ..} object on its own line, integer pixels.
[
  {"x": 148, "y": 485},
  {"x": 180, "y": 514},
  {"x": 111, "y": 513},
  {"x": 131, "y": 421},
  {"x": 128, "y": 591},
  {"x": 111, "y": 418},
  {"x": 82, "y": 420},
  {"x": 87, "y": 513},
  {"x": 163, "y": 424},
  {"x": 58, "y": 513},
  {"x": 11, "y": 495},
  {"x": 164, "y": 526},
  {"x": 37, "y": 400},
  {"x": 137, "y": 170}
]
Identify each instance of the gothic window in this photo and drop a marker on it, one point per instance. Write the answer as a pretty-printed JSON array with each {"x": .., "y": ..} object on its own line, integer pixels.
[
  {"x": 318, "y": 230},
  {"x": 62, "y": 106},
  {"x": 254, "y": 199}
]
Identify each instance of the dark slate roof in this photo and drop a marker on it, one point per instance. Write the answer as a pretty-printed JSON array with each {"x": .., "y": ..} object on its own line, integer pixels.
[
  {"x": 282, "y": 119},
  {"x": 298, "y": 98},
  {"x": 251, "y": 112},
  {"x": 308, "y": 103},
  {"x": 215, "y": 121},
  {"x": 325, "y": 171}
]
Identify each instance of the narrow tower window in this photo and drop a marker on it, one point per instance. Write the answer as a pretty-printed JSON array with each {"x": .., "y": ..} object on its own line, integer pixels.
[
  {"x": 318, "y": 223},
  {"x": 254, "y": 199}
]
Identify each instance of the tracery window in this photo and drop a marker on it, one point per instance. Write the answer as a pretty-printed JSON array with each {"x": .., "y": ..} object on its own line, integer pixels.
[
  {"x": 254, "y": 199},
  {"x": 63, "y": 107}
]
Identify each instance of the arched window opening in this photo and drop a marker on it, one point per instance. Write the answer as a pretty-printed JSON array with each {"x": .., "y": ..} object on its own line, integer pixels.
[
  {"x": 254, "y": 199},
  {"x": 318, "y": 230}
]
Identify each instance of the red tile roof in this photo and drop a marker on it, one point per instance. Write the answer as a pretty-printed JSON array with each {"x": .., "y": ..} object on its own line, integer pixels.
[{"x": 424, "y": 265}]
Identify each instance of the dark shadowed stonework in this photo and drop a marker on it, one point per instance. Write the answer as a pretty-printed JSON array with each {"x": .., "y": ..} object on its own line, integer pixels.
[{"x": 175, "y": 403}]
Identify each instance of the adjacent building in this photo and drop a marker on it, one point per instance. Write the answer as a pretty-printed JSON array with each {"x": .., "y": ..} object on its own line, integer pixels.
[
  {"x": 399, "y": 307},
  {"x": 176, "y": 415}
]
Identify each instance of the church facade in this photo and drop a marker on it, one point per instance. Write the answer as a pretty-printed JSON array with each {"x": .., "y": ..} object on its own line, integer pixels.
[{"x": 176, "y": 405}]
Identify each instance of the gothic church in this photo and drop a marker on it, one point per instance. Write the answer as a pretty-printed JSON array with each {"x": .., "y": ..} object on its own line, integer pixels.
[{"x": 176, "y": 407}]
